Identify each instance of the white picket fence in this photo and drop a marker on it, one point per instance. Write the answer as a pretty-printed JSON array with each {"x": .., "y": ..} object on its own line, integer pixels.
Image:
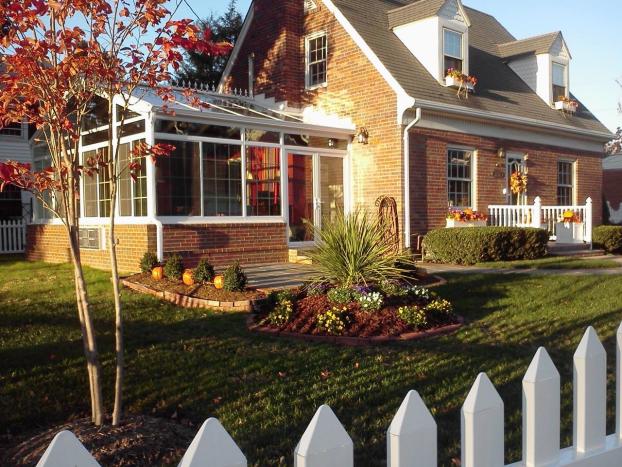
[
  {"x": 12, "y": 237},
  {"x": 412, "y": 436},
  {"x": 540, "y": 217}
]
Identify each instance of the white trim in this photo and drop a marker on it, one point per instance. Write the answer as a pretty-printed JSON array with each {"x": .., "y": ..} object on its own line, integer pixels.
[
  {"x": 406, "y": 201},
  {"x": 574, "y": 172},
  {"x": 238, "y": 45},
  {"x": 307, "y": 51},
  {"x": 472, "y": 179},
  {"x": 224, "y": 220}
]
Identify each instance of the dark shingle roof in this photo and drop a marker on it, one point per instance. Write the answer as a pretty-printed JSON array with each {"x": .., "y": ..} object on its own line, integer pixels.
[
  {"x": 499, "y": 89},
  {"x": 414, "y": 12},
  {"x": 538, "y": 45}
]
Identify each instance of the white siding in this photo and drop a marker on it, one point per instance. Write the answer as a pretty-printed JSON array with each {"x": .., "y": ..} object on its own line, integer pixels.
[
  {"x": 16, "y": 148},
  {"x": 451, "y": 11},
  {"x": 424, "y": 41}
]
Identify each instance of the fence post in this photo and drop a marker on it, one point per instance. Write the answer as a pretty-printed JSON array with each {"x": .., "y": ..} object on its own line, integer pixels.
[
  {"x": 541, "y": 412},
  {"x": 65, "y": 449},
  {"x": 411, "y": 438},
  {"x": 324, "y": 443},
  {"x": 619, "y": 383},
  {"x": 482, "y": 426},
  {"x": 590, "y": 393},
  {"x": 536, "y": 216},
  {"x": 589, "y": 220},
  {"x": 213, "y": 447}
]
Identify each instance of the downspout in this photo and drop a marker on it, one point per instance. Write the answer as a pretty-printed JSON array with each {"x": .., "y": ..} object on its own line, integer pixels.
[
  {"x": 407, "y": 176},
  {"x": 159, "y": 238}
]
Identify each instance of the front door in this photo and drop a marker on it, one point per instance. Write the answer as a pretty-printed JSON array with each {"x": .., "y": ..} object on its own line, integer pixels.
[
  {"x": 315, "y": 194},
  {"x": 515, "y": 163}
]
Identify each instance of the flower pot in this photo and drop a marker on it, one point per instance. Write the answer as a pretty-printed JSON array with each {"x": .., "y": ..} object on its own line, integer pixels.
[
  {"x": 566, "y": 106},
  {"x": 453, "y": 223},
  {"x": 569, "y": 232},
  {"x": 452, "y": 82}
]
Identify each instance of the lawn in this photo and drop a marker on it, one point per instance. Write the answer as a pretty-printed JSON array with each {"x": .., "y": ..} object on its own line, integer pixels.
[
  {"x": 197, "y": 364},
  {"x": 554, "y": 262}
]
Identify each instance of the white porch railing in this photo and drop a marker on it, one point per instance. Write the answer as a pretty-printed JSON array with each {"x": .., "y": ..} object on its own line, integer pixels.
[
  {"x": 412, "y": 436},
  {"x": 12, "y": 237},
  {"x": 540, "y": 217}
]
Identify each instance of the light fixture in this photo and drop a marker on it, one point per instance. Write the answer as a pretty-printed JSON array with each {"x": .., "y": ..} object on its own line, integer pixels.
[
  {"x": 363, "y": 136},
  {"x": 501, "y": 153},
  {"x": 331, "y": 143}
]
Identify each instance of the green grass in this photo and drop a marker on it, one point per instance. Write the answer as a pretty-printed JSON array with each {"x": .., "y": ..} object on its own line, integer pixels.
[
  {"x": 201, "y": 364},
  {"x": 554, "y": 262}
]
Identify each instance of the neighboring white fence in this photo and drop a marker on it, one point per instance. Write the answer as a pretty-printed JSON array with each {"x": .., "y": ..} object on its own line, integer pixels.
[
  {"x": 540, "y": 217},
  {"x": 12, "y": 237},
  {"x": 412, "y": 436}
]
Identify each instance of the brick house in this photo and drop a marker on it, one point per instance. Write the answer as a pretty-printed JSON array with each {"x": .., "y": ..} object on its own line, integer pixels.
[
  {"x": 612, "y": 187},
  {"x": 343, "y": 101},
  {"x": 382, "y": 65}
]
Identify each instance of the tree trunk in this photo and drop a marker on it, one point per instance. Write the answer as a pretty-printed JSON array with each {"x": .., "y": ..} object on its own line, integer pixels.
[{"x": 88, "y": 330}]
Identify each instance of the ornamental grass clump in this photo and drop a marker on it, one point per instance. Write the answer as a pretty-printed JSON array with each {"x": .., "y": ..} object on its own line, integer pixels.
[
  {"x": 148, "y": 262},
  {"x": 174, "y": 268},
  {"x": 333, "y": 321},
  {"x": 204, "y": 272},
  {"x": 353, "y": 249}
]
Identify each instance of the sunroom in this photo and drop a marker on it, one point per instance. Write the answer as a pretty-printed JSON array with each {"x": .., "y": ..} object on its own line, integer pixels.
[{"x": 246, "y": 181}]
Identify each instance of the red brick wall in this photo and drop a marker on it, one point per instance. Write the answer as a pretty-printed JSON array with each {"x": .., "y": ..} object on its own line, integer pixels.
[
  {"x": 222, "y": 244},
  {"x": 428, "y": 164},
  {"x": 612, "y": 187},
  {"x": 49, "y": 243}
]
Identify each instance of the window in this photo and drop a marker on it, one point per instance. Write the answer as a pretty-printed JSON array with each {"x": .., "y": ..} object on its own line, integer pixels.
[
  {"x": 11, "y": 202},
  {"x": 565, "y": 183},
  {"x": 178, "y": 180},
  {"x": 453, "y": 50},
  {"x": 89, "y": 239},
  {"x": 96, "y": 188},
  {"x": 263, "y": 181},
  {"x": 42, "y": 161},
  {"x": 560, "y": 87},
  {"x": 12, "y": 129},
  {"x": 459, "y": 178},
  {"x": 222, "y": 179},
  {"x": 317, "y": 58},
  {"x": 132, "y": 193}
]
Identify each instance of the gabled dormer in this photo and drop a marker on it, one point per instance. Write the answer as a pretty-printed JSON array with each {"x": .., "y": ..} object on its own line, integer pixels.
[
  {"x": 543, "y": 62},
  {"x": 436, "y": 32}
]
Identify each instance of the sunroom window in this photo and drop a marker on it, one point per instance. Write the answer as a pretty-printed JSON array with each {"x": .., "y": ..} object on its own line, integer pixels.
[
  {"x": 132, "y": 193},
  {"x": 263, "y": 181},
  {"x": 222, "y": 179},
  {"x": 453, "y": 50},
  {"x": 178, "y": 180},
  {"x": 560, "y": 86}
]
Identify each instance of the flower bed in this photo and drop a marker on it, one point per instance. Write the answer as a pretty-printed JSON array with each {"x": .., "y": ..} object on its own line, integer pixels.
[{"x": 358, "y": 315}]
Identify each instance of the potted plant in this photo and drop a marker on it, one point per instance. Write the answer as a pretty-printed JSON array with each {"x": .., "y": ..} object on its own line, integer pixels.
[
  {"x": 466, "y": 218},
  {"x": 566, "y": 104},
  {"x": 464, "y": 83},
  {"x": 570, "y": 228}
]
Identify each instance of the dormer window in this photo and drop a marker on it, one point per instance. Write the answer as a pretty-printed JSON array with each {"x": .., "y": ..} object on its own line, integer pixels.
[
  {"x": 453, "y": 50},
  {"x": 560, "y": 84}
]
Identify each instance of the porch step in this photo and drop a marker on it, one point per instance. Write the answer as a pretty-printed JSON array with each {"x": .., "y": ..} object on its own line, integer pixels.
[
  {"x": 298, "y": 256},
  {"x": 574, "y": 250}
]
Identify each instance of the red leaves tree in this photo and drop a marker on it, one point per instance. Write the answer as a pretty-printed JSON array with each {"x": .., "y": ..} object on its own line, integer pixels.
[{"x": 57, "y": 58}]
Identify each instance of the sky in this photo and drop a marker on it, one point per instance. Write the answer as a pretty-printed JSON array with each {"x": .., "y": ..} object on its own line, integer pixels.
[{"x": 590, "y": 29}]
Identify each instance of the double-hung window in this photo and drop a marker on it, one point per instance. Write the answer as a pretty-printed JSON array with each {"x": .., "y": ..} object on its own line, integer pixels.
[
  {"x": 453, "y": 50},
  {"x": 316, "y": 51},
  {"x": 460, "y": 178},
  {"x": 565, "y": 183},
  {"x": 560, "y": 85}
]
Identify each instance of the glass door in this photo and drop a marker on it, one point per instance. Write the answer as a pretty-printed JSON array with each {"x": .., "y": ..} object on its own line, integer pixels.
[{"x": 515, "y": 163}]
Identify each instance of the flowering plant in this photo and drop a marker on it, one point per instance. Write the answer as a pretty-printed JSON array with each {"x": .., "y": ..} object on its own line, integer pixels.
[
  {"x": 439, "y": 306},
  {"x": 282, "y": 313},
  {"x": 467, "y": 215},
  {"x": 413, "y": 315},
  {"x": 567, "y": 100},
  {"x": 370, "y": 302},
  {"x": 333, "y": 321},
  {"x": 518, "y": 182},
  {"x": 571, "y": 217},
  {"x": 419, "y": 292},
  {"x": 464, "y": 80}
]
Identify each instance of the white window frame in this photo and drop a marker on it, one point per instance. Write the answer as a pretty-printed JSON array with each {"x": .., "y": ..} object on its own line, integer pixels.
[
  {"x": 308, "y": 39},
  {"x": 566, "y": 79},
  {"x": 573, "y": 184},
  {"x": 472, "y": 180},
  {"x": 462, "y": 50}
]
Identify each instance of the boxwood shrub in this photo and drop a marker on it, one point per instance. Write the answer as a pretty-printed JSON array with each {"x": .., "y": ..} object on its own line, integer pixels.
[
  {"x": 483, "y": 244},
  {"x": 608, "y": 237}
]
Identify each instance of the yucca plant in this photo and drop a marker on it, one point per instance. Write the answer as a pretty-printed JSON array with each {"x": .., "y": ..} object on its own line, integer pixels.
[{"x": 353, "y": 250}]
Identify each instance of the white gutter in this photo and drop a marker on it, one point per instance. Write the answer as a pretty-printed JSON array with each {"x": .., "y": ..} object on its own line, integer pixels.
[
  {"x": 407, "y": 176},
  {"x": 159, "y": 238}
]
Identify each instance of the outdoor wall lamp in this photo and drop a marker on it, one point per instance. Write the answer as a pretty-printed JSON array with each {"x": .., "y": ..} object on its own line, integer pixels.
[
  {"x": 363, "y": 136},
  {"x": 331, "y": 143},
  {"x": 501, "y": 153}
]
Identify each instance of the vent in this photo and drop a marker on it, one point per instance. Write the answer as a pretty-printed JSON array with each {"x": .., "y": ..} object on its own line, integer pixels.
[{"x": 310, "y": 6}]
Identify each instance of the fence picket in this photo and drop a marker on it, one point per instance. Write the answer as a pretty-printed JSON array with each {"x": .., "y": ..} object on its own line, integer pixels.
[
  {"x": 12, "y": 236},
  {"x": 325, "y": 443},
  {"x": 64, "y": 450},
  {"x": 213, "y": 447},
  {"x": 412, "y": 436},
  {"x": 482, "y": 426},
  {"x": 541, "y": 401},
  {"x": 590, "y": 394}
]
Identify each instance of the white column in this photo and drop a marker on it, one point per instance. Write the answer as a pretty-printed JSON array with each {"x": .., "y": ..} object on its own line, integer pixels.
[
  {"x": 589, "y": 220},
  {"x": 536, "y": 217},
  {"x": 619, "y": 383}
]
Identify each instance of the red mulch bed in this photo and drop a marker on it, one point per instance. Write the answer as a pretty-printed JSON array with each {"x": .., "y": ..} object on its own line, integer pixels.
[
  {"x": 139, "y": 441},
  {"x": 204, "y": 291}
]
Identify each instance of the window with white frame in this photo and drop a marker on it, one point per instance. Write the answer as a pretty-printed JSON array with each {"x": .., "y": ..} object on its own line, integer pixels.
[
  {"x": 560, "y": 84},
  {"x": 12, "y": 129},
  {"x": 453, "y": 50},
  {"x": 460, "y": 178},
  {"x": 565, "y": 183},
  {"x": 132, "y": 190},
  {"x": 316, "y": 47}
]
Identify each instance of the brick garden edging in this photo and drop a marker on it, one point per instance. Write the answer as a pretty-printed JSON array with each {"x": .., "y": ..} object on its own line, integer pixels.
[{"x": 194, "y": 302}]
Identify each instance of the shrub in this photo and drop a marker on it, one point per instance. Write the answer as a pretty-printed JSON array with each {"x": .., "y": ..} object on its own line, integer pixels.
[
  {"x": 316, "y": 289},
  {"x": 174, "y": 267},
  {"x": 483, "y": 244},
  {"x": 609, "y": 238},
  {"x": 235, "y": 279},
  {"x": 352, "y": 249},
  {"x": 419, "y": 292},
  {"x": 204, "y": 272},
  {"x": 333, "y": 321},
  {"x": 439, "y": 307},
  {"x": 282, "y": 313},
  {"x": 340, "y": 295},
  {"x": 413, "y": 315},
  {"x": 393, "y": 289},
  {"x": 370, "y": 302},
  {"x": 148, "y": 262}
]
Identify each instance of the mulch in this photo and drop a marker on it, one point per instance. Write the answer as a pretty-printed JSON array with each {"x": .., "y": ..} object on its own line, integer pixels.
[{"x": 139, "y": 441}]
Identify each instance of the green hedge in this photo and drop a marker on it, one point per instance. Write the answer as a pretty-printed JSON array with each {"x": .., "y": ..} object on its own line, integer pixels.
[
  {"x": 608, "y": 237},
  {"x": 483, "y": 244}
]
